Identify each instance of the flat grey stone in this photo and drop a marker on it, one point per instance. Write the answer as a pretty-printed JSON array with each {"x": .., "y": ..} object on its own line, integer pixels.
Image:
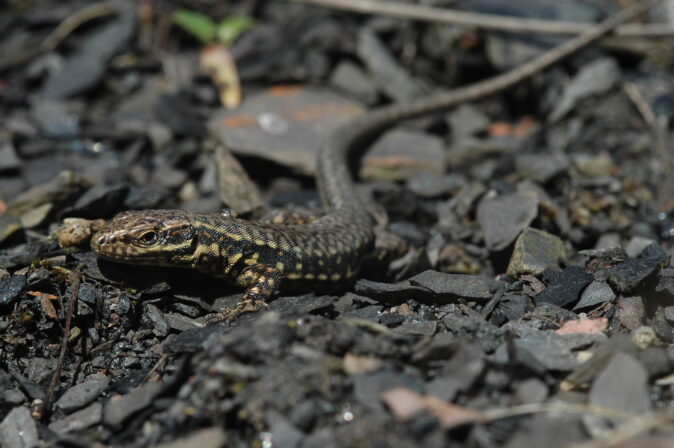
[
  {"x": 449, "y": 287},
  {"x": 284, "y": 126},
  {"x": 204, "y": 438},
  {"x": 390, "y": 156},
  {"x": 118, "y": 410},
  {"x": 389, "y": 75},
  {"x": 622, "y": 386},
  {"x": 636, "y": 245},
  {"x": 534, "y": 252},
  {"x": 18, "y": 429},
  {"x": 567, "y": 289},
  {"x": 392, "y": 293},
  {"x": 626, "y": 276},
  {"x": 546, "y": 350},
  {"x": 350, "y": 78},
  {"x": 595, "y": 77},
  {"x": 531, "y": 390},
  {"x": 540, "y": 168},
  {"x": 596, "y": 293},
  {"x": 82, "y": 394},
  {"x": 9, "y": 161},
  {"x": 466, "y": 120},
  {"x": 630, "y": 311},
  {"x": 11, "y": 288},
  {"x": 81, "y": 419},
  {"x": 368, "y": 387},
  {"x": 502, "y": 218}
]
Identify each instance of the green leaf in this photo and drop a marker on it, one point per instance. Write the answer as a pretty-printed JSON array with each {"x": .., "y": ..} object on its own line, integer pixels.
[
  {"x": 231, "y": 27},
  {"x": 195, "y": 23}
]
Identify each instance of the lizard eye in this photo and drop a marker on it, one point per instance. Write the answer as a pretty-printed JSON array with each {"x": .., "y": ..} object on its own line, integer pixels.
[{"x": 148, "y": 237}]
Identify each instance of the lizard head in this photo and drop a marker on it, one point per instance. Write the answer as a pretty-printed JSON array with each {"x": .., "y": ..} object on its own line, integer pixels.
[{"x": 161, "y": 237}]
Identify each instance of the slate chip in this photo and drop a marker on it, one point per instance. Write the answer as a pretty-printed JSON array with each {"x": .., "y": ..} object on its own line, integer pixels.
[
  {"x": 306, "y": 303},
  {"x": 502, "y": 218},
  {"x": 19, "y": 429},
  {"x": 630, "y": 311},
  {"x": 595, "y": 77},
  {"x": 540, "y": 168},
  {"x": 9, "y": 227},
  {"x": 283, "y": 432},
  {"x": 541, "y": 352},
  {"x": 9, "y": 161},
  {"x": 567, "y": 289},
  {"x": 393, "y": 294},
  {"x": 11, "y": 288},
  {"x": 214, "y": 437},
  {"x": 662, "y": 328},
  {"x": 449, "y": 287},
  {"x": 665, "y": 283},
  {"x": 511, "y": 307},
  {"x": 656, "y": 361},
  {"x": 352, "y": 79},
  {"x": 459, "y": 374},
  {"x": 153, "y": 318},
  {"x": 192, "y": 340},
  {"x": 116, "y": 411},
  {"x": 626, "y": 276},
  {"x": 440, "y": 346},
  {"x": 622, "y": 385},
  {"x": 531, "y": 390},
  {"x": 430, "y": 186},
  {"x": 98, "y": 202},
  {"x": 368, "y": 387},
  {"x": 82, "y": 394},
  {"x": 76, "y": 421},
  {"x": 595, "y": 294},
  {"x": 534, "y": 252},
  {"x": 87, "y": 66}
]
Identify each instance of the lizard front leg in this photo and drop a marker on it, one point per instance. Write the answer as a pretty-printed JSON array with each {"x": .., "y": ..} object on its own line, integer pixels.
[{"x": 261, "y": 283}]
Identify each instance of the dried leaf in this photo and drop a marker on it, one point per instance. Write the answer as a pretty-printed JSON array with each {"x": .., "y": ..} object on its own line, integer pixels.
[
  {"x": 405, "y": 404},
  {"x": 45, "y": 303}
]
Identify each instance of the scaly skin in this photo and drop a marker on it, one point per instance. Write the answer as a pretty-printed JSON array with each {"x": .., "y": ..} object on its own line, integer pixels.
[{"x": 264, "y": 257}]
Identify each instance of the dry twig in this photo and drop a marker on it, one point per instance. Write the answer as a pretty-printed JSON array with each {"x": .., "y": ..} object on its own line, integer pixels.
[
  {"x": 76, "y": 20},
  {"x": 76, "y": 278},
  {"x": 479, "y": 20}
]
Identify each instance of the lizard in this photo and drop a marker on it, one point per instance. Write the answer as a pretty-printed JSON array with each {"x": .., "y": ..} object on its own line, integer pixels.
[{"x": 265, "y": 257}]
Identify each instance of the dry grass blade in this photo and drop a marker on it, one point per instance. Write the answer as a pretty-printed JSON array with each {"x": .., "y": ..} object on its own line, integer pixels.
[{"x": 479, "y": 20}]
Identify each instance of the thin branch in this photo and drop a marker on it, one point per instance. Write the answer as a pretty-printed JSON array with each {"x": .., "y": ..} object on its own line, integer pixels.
[
  {"x": 75, "y": 279},
  {"x": 77, "y": 19},
  {"x": 507, "y": 79},
  {"x": 479, "y": 20}
]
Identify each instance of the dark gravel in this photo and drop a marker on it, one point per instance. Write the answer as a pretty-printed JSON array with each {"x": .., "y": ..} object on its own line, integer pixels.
[{"x": 537, "y": 229}]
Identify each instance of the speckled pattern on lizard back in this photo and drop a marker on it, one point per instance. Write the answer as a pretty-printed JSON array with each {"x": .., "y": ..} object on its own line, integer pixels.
[{"x": 265, "y": 257}]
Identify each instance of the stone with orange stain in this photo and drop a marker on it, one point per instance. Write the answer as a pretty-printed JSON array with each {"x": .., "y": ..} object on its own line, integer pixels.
[{"x": 284, "y": 124}]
